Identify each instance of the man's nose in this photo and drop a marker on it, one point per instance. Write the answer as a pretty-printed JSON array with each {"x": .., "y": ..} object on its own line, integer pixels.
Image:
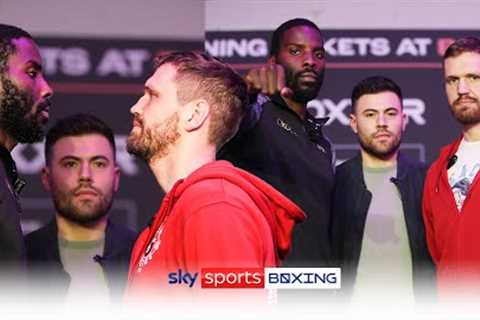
[{"x": 463, "y": 86}]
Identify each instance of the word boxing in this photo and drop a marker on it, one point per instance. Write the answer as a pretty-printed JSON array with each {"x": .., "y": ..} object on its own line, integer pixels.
[{"x": 269, "y": 278}]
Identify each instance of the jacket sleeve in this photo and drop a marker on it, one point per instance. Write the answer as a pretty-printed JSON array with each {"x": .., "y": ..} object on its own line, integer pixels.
[
  {"x": 428, "y": 219},
  {"x": 224, "y": 235}
]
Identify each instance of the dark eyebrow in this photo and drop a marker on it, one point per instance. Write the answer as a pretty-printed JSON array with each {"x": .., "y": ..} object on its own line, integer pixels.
[
  {"x": 35, "y": 65},
  {"x": 99, "y": 157},
  {"x": 95, "y": 158},
  {"x": 69, "y": 158},
  {"x": 472, "y": 74}
]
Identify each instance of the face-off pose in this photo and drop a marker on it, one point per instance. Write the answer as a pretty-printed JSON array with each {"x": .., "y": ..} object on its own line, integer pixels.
[
  {"x": 213, "y": 215},
  {"x": 24, "y": 110},
  {"x": 377, "y": 224},
  {"x": 452, "y": 192},
  {"x": 80, "y": 254},
  {"x": 282, "y": 143}
]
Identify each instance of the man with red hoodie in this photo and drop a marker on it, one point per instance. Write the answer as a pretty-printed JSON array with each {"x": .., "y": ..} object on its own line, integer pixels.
[
  {"x": 452, "y": 188},
  {"x": 213, "y": 215}
]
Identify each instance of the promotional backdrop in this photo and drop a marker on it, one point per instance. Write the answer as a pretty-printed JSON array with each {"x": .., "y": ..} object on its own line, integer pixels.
[{"x": 105, "y": 77}]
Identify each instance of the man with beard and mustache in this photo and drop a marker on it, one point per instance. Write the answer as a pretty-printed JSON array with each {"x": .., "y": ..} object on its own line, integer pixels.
[
  {"x": 377, "y": 230},
  {"x": 24, "y": 107},
  {"x": 213, "y": 215},
  {"x": 80, "y": 255},
  {"x": 452, "y": 192},
  {"x": 282, "y": 143}
]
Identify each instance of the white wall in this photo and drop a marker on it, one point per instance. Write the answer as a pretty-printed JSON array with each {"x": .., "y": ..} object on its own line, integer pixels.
[
  {"x": 165, "y": 19},
  {"x": 187, "y": 19},
  {"x": 344, "y": 14}
]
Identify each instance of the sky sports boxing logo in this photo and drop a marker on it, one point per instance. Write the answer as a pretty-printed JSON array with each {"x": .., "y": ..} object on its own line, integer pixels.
[{"x": 259, "y": 278}]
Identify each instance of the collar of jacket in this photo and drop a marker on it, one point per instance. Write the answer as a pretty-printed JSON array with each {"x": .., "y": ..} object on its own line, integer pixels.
[
  {"x": 445, "y": 154},
  {"x": 113, "y": 245},
  {"x": 403, "y": 165},
  {"x": 278, "y": 100},
  {"x": 11, "y": 170}
]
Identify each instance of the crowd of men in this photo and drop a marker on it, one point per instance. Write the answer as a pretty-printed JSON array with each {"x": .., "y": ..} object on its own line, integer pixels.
[{"x": 249, "y": 177}]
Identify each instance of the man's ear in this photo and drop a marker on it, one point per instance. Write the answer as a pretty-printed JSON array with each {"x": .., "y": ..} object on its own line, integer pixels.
[
  {"x": 353, "y": 123},
  {"x": 194, "y": 114},
  {"x": 405, "y": 120},
  {"x": 116, "y": 181},
  {"x": 45, "y": 178}
]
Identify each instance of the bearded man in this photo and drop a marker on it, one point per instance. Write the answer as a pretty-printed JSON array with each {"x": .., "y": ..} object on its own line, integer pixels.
[
  {"x": 377, "y": 231},
  {"x": 213, "y": 215},
  {"x": 80, "y": 255},
  {"x": 24, "y": 111},
  {"x": 452, "y": 192}
]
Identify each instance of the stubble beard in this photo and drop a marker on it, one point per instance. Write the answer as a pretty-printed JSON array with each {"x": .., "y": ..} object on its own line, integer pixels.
[
  {"x": 381, "y": 151},
  {"x": 150, "y": 144},
  {"x": 82, "y": 212}
]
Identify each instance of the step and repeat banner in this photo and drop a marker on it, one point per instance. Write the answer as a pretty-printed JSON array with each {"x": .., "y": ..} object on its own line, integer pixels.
[{"x": 105, "y": 77}]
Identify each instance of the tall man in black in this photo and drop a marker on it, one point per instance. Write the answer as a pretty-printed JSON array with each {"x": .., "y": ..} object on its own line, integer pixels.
[
  {"x": 282, "y": 143},
  {"x": 24, "y": 107}
]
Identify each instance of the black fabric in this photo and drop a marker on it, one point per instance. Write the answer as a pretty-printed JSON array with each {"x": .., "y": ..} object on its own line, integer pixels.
[
  {"x": 295, "y": 158},
  {"x": 45, "y": 267},
  {"x": 11, "y": 170},
  {"x": 12, "y": 247},
  {"x": 350, "y": 206}
]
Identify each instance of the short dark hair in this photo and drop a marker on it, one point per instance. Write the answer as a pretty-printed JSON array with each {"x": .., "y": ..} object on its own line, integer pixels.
[
  {"x": 467, "y": 44},
  {"x": 7, "y": 48},
  {"x": 277, "y": 36},
  {"x": 375, "y": 84},
  {"x": 77, "y": 125},
  {"x": 202, "y": 76}
]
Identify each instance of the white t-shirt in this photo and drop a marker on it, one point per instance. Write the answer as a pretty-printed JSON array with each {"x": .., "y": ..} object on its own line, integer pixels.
[{"x": 462, "y": 173}]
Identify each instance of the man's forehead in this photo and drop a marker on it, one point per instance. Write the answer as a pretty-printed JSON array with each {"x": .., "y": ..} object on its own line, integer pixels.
[
  {"x": 463, "y": 62},
  {"x": 163, "y": 74},
  {"x": 25, "y": 50},
  {"x": 302, "y": 34},
  {"x": 83, "y": 145},
  {"x": 379, "y": 101}
]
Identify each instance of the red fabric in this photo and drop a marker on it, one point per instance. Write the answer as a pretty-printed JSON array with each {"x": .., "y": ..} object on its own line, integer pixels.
[
  {"x": 453, "y": 237},
  {"x": 219, "y": 216}
]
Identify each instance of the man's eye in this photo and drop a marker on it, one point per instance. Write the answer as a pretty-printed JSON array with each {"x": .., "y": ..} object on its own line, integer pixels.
[
  {"x": 320, "y": 54},
  {"x": 451, "y": 81},
  {"x": 294, "y": 51},
  {"x": 100, "y": 164},
  {"x": 369, "y": 114},
  {"x": 32, "y": 73},
  {"x": 473, "y": 77},
  {"x": 69, "y": 164}
]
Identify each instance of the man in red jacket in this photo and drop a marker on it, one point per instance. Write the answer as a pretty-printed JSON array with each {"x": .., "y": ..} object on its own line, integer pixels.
[
  {"x": 452, "y": 189},
  {"x": 213, "y": 215}
]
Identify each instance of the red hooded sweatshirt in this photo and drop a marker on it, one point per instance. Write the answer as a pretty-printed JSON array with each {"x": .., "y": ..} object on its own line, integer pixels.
[
  {"x": 453, "y": 236},
  {"x": 219, "y": 216}
]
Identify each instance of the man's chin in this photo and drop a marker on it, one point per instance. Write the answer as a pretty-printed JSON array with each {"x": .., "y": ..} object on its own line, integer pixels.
[{"x": 467, "y": 117}]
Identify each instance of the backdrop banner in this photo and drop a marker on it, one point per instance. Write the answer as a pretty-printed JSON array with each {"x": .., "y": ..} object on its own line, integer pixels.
[{"x": 105, "y": 77}]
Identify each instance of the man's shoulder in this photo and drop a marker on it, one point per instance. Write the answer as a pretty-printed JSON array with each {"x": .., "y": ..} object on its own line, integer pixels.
[
  {"x": 352, "y": 166},
  {"x": 41, "y": 233},
  {"x": 121, "y": 232},
  {"x": 210, "y": 190},
  {"x": 40, "y": 242}
]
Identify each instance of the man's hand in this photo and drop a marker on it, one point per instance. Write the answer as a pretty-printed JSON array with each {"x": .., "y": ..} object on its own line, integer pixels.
[{"x": 269, "y": 79}]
